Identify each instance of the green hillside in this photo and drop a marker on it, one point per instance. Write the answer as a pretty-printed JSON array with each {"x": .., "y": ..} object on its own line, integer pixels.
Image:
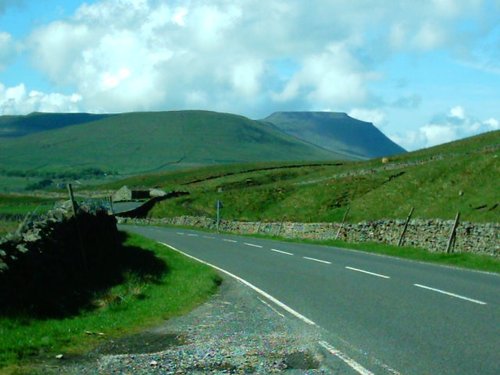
[
  {"x": 16, "y": 126},
  {"x": 336, "y": 131},
  {"x": 143, "y": 142},
  {"x": 460, "y": 176}
]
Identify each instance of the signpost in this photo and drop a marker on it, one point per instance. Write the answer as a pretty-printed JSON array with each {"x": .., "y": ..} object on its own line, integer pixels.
[{"x": 218, "y": 206}]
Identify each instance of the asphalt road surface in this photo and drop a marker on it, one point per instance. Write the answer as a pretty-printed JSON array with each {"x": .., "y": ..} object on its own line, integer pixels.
[
  {"x": 378, "y": 314},
  {"x": 121, "y": 207}
]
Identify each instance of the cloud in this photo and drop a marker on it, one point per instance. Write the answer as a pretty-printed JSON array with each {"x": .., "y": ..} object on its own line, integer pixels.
[
  {"x": 375, "y": 116},
  {"x": 125, "y": 55},
  {"x": 331, "y": 78},
  {"x": 453, "y": 125},
  {"x": 18, "y": 100},
  {"x": 457, "y": 112}
]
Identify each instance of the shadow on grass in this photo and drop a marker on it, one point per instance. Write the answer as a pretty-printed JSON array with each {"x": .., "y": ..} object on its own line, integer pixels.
[{"x": 62, "y": 287}]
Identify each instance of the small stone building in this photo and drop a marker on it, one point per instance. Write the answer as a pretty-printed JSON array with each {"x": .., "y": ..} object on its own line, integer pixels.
[{"x": 126, "y": 194}]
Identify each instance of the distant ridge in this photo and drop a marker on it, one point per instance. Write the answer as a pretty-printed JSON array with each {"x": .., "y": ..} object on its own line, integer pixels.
[
  {"x": 16, "y": 126},
  {"x": 143, "y": 142},
  {"x": 336, "y": 131}
]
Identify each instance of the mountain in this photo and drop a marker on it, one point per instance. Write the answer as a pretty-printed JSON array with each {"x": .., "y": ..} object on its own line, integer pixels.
[
  {"x": 146, "y": 141},
  {"x": 16, "y": 126},
  {"x": 336, "y": 132}
]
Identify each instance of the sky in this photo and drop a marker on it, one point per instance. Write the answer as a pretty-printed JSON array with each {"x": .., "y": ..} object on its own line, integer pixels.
[{"x": 424, "y": 72}]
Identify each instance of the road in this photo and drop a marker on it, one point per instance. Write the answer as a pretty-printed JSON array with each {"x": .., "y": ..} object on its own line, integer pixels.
[
  {"x": 386, "y": 315},
  {"x": 121, "y": 207}
]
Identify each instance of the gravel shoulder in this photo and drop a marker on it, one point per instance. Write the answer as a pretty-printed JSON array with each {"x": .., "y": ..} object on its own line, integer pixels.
[{"x": 235, "y": 332}]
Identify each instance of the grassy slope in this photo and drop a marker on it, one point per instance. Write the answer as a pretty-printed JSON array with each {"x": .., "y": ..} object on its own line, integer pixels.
[
  {"x": 20, "y": 205},
  {"x": 141, "y": 304},
  {"x": 134, "y": 142},
  {"x": 461, "y": 176}
]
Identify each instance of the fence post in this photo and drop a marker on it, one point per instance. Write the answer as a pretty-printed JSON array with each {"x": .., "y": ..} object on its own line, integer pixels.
[
  {"x": 72, "y": 199},
  {"x": 401, "y": 238},
  {"x": 343, "y": 221},
  {"x": 111, "y": 205},
  {"x": 78, "y": 233},
  {"x": 451, "y": 240},
  {"x": 280, "y": 227},
  {"x": 218, "y": 206}
]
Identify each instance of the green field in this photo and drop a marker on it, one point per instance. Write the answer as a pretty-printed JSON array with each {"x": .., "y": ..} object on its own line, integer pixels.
[
  {"x": 140, "y": 301},
  {"x": 18, "y": 206},
  {"x": 460, "y": 176}
]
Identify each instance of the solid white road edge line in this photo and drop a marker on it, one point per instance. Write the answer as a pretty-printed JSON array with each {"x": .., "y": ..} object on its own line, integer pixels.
[
  {"x": 243, "y": 281},
  {"x": 225, "y": 239},
  {"x": 281, "y": 252},
  {"x": 368, "y": 272},
  {"x": 318, "y": 260},
  {"x": 451, "y": 294},
  {"x": 352, "y": 363},
  {"x": 253, "y": 245},
  {"x": 272, "y": 308}
]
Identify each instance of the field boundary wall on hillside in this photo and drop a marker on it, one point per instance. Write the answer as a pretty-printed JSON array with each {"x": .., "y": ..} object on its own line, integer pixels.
[{"x": 49, "y": 255}]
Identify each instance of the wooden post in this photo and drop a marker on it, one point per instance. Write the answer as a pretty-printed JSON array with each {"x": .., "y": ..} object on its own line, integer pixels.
[
  {"x": 401, "y": 238},
  {"x": 218, "y": 214},
  {"x": 72, "y": 199},
  {"x": 280, "y": 227},
  {"x": 78, "y": 233},
  {"x": 451, "y": 240},
  {"x": 343, "y": 221},
  {"x": 111, "y": 205}
]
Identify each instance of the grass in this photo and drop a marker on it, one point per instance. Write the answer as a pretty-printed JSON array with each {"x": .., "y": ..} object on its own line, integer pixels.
[
  {"x": 20, "y": 205},
  {"x": 23, "y": 204},
  {"x": 125, "y": 308},
  {"x": 7, "y": 226},
  {"x": 461, "y": 176},
  {"x": 173, "y": 140}
]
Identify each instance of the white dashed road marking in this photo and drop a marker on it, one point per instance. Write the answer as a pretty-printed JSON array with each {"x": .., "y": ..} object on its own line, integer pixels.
[
  {"x": 342, "y": 356},
  {"x": 180, "y": 233},
  {"x": 368, "y": 272},
  {"x": 225, "y": 239},
  {"x": 192, "y": 235},
  {"x": 318, "y": 260},
  {"x": 253, "y": 245},
  {"x": 451, "y": 294},
  {"x": 281, "y": 252}
]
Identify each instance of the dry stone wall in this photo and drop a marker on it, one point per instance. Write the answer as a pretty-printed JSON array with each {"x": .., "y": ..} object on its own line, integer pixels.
[
  {"x": 47, "y": 256},
  {"x": 433, "y": 235}
]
